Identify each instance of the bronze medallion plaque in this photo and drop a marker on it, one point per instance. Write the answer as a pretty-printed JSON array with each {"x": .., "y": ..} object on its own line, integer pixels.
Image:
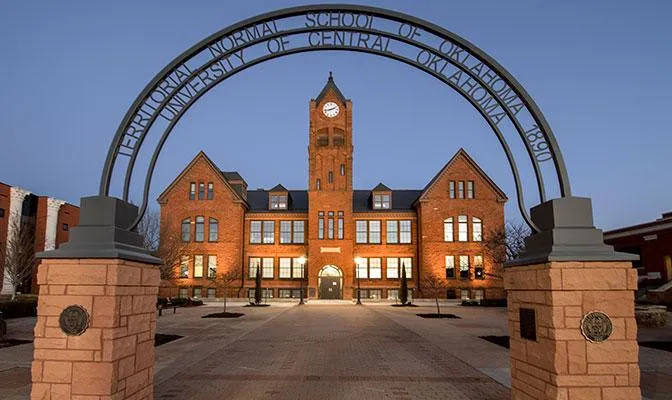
[
  {"x": 596, "y": 326},
  {"x": 74, "y": 320}
]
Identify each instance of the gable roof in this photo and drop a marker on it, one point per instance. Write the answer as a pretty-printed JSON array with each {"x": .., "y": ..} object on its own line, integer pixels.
[
  {"x": 278, "y": 188},
  {"x": 402, "y": 200},
  {"x": 330, "y": 86},
  {"x": 463, "y": 153},
  {"x": 381, "y": 188},
  {"x": 201, "y": 155},
  {"x": 258, "y": 201}
]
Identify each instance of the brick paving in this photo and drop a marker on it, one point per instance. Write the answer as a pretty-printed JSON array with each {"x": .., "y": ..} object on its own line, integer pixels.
[{"x": 331, "y": 352}]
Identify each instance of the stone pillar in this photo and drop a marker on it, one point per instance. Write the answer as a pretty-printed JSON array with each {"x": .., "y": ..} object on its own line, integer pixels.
[
  {"x": 96, "y": 314},
  {"x": 114, "y": 357},
  {"x": 17, "y": 196},
  {"x": 51, "y": 229},
  {"x": 572, "y": 329}
]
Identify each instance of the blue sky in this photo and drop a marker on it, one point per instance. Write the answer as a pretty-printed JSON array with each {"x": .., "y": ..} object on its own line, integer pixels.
[{"x": 600, "y": 71}]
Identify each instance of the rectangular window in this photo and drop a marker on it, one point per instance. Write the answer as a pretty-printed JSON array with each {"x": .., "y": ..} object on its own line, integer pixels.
[
  {"x": 392, "y": 268},
  {"x": 478, "y": 294},
  {"x": 212, "y": 293},
  {"x": 186, "y": 230},
  {"x": 374, "y": 294},
  {"x": 213, "y": 230},
  {"x": 374, "y": 231},
  {"x": 200, "y": 229},
  {"x": 212, "y": 266},
  {"x": 470, "y": 189},
  {"x": 375, "y": 268},
  {"x": 464, "y": 294},
  {"x": 211, "y": 191},
  {"x": 320, "y": 225},
  {"x": 299, "y": 231},
  {"x": 460, "y": 189},
  {"x": 362, "y": 270},
  {"x": 330, "y": 177},
  {"x": 407, "y": 263},
  {"x": 340, "y": 225},
  {"x": 392, "y": 294},
  {"x": 464, "y": 267},
  {"x": 201, "y": 190},
  {"x": 330, "y": 225},
  {"x": 285, "y": 268},
  {"x": 198, "y": 291},
  {"x": 392, "y": 231},
  {"x": 266, "y": 293},
  {"x": 198, "y": 266},
  {"x": 297, "y": 268},
  {"x": 319, "y": 184},
  {"x": 451, "y": 189},
  {"x": 476, "y": 229},
  {"x": 323, "y": 140},
  {"x": 478, "y": 267},
  {"x": 448, "y": 229},
  {"x": 254, "y": 263},
  {"x": 285, "y": 232},
  {"x": 192, "y": 190},
  {"x": 2, "y": 213},
  {"x": 267, "y": 267},
  {"x": 255, "y": 231},
  {"x": 338, "y": 140},
  {"x": 183, "y": 292},
  {"x": 269, "y": 231},
  {"x": 184, "y": 267},
  {"x": 342, "y": 169},
  {"x": 405, "y": 231},
  {"x": 450, "y": 266},
  {"x": 361, "y": 231},
  {"x": 66, "y": 227},
  {"x": 462, "y": 228},
  {"x": 381, "y": 201},
  {"x": 289, "y": 293},
  {"x": 278, "y": 202}
]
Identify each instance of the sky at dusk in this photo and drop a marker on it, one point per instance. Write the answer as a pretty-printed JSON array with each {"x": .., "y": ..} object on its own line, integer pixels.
[{"x": 599, "y": 71}]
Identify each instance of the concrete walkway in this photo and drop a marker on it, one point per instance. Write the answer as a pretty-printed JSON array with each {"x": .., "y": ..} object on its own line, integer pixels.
[{"x": 329, "y": 352}]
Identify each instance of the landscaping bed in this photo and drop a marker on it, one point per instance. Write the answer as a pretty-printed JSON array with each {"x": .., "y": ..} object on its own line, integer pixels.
[
  {"x": 161, "y": 338},
  {"x": 224, "y": 315},
  {"x": 435, "y": 315}
]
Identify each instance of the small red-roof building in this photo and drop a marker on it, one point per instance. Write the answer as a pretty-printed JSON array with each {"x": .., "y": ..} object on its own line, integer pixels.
[{"x": 327, "y": 238}]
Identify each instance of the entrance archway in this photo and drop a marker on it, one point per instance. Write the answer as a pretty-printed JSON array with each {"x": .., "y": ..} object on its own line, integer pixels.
[
  {"x": 330, "y": 283},
  {"x": 503, "y": 103}
]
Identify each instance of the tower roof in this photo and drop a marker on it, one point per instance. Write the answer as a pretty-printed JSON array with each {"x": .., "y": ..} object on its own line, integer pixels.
[{"x": 331, "y": 85}]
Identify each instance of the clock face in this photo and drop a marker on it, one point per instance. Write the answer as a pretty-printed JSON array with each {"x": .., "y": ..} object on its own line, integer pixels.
[{"x": 330, "y": 109}]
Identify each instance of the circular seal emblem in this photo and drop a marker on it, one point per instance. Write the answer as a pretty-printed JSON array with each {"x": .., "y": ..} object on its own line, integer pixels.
[
  {"x": 596, "y": 326},
  {"x": 74, "y": 320}
]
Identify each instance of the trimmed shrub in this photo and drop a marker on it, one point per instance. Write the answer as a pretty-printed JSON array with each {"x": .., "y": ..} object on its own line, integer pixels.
[{"x": 22, "y": 307}]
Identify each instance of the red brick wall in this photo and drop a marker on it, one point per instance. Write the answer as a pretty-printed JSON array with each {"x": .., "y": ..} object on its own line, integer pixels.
[
  {"x": 69, "y": 215},
  {"x": 438, "y": 206},
  {"x": 4, "y": 204},
  {"x": 225, "y": 207},
  {"x": 652, "y": 252}
]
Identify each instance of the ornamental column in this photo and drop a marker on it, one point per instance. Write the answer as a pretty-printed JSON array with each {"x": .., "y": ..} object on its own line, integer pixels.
[
  {"x": 16, "y": 198},
  {"x": 53, "y": 206},
  {"x": 96, "y": 314},
  {"x": 572, "y": 326}
]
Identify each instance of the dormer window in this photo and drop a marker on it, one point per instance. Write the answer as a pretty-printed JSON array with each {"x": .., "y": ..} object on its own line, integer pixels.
[
  {"x": 278, "y": 202},
  {"x": 381, "y": 202}
]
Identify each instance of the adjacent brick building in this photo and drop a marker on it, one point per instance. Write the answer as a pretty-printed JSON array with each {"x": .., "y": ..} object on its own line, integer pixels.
[
  {"x": 332, "y": 234},
  {"x": 51, "y": 217}
]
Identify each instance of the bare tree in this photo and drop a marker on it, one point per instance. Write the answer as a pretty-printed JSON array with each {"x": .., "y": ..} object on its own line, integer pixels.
[
  {"x": 20, "y": 261},
  {"x": 505, "y": 243},
  {"x": 163, "y": 243},
  {"x": 226, "y": 280},
  {"x": 434, "y": 285}
]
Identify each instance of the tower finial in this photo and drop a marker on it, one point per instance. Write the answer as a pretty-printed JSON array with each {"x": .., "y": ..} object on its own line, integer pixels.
[{"x": 330, "y": 77}]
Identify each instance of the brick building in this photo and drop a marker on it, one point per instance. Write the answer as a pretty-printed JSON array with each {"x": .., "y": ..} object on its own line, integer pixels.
[
  {"x": 332, "y": 234},
  {"x": 52, "y": 219}
]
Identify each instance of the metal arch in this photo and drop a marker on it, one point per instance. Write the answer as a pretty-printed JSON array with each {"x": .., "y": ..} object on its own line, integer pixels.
[
  {"x": 529, "y": 103},
  {"x": 498, "y": 133}
]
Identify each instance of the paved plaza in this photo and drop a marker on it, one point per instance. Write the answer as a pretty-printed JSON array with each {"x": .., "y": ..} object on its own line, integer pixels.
[{"x": 330, "y": 351}]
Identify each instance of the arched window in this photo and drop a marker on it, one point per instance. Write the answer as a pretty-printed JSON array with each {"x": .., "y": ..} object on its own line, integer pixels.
[
  {"x": 213, "y": 233},
  {"x": 476, "y": 229},
  {"x": 200, "y": 229},
  {"x": 186, "y": 229},
  {"x": 448, "y": 229}
]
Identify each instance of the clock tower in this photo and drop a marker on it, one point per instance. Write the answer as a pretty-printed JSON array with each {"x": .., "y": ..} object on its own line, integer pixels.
[{"x": 330, "y": 189}]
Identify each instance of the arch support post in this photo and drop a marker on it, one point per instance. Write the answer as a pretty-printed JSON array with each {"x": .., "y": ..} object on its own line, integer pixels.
[
  {"x": 572, "y": 326},
  {"x": 96, "y": 315}
]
